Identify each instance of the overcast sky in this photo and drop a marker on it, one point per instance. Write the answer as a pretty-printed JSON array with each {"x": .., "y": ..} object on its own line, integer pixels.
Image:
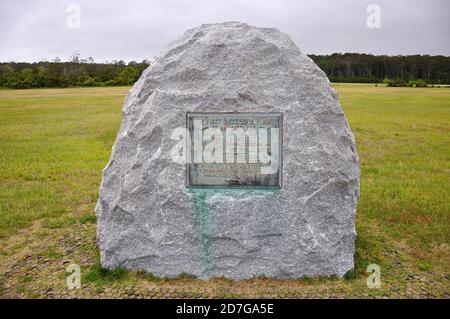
[{"x": 32, "y": 30}]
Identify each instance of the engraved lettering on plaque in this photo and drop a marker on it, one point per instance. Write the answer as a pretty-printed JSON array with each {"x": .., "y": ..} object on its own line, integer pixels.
[{"x": 234, "y": 150}]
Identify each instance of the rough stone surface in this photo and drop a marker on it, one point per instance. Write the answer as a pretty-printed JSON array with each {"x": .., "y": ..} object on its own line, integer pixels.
[{"x": 148, "y": 220}]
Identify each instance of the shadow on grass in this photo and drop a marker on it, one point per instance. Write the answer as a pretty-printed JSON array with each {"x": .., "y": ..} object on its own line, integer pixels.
[
  {"x": 102, "y": 276},
  {"x": 88, "y": 217}
]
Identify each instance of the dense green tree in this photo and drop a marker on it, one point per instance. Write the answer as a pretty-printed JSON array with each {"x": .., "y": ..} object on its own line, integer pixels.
[
  {"x": 355, "y": 67},
  {"x": 128, "y": 75},
  {"x": 413, "y": 70}
]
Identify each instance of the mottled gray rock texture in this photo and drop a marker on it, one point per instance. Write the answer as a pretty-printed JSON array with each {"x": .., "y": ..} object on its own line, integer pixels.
[{"x": 147, "y": 218}]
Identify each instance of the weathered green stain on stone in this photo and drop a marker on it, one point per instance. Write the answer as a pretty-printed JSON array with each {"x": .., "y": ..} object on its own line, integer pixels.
[{"x": 204, "y": 216}]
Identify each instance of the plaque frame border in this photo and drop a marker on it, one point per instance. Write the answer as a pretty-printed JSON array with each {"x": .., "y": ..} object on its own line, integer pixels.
[{"x": 235, "y": 187}]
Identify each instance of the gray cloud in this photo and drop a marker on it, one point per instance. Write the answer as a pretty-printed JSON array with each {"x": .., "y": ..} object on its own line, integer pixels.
[{"x": 134, "y": 30}]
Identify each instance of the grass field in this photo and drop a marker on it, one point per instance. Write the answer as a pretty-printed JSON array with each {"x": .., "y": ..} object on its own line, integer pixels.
[{"x": 54, "y": 144}]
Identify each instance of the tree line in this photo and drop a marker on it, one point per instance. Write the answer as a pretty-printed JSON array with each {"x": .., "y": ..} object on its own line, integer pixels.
[
  {"x": 413, "y": 70},
  {"x": 367, "y": 68},
  {"x": 76, "y": 72}
]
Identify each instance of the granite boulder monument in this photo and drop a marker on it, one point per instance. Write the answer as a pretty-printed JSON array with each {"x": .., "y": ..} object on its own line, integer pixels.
[{"x": 233, "y": 159}]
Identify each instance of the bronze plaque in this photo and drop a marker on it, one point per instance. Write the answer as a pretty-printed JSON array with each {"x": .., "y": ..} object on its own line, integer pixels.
[{"x": 234, "y": 150}]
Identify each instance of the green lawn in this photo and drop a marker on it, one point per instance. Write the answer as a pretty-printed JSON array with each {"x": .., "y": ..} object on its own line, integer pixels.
[{"x": 54, "y": 144}]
